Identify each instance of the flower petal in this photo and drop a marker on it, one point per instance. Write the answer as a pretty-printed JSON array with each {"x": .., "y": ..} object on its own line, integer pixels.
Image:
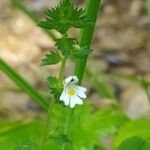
[
  {"x": 64, "y": 97},
  {"x": 72, "y": 102},
  {"x": 81, "y": 88},
  {"x": 67, "y": 101},
  {"x": 81, "y": 94},
  {"x": 78, "y": 100}
]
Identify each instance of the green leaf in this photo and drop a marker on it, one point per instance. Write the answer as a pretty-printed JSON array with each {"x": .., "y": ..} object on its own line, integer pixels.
[
  {"x": 134, "y": 128},
  {"x": 65, "y": 45},
  {"x": 55, "y": 86},
  {"x": 134, "y": 143},
  {"x": 23, "y": 85},
  {"x": 61, "y": 139},
  {"x": 63, "y": 17},
  {"x": 51, "y": 59}
]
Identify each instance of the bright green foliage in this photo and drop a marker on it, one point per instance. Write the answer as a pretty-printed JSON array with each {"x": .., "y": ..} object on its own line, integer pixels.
[
  {"x": 27, "y": 145},
  {"x": 134, "y": 128},
  {"x": 92, "y": 126},
  {"x": 63, "y": 17},
  {"x": 65, "y": 45},
  {"x": 55, "y": 86},
  {"x": 87, "y": 128},
  {"x": 134, "y": 143},
  {"x": 25, "y": 136},
  {"x": 50, "y": 59}
]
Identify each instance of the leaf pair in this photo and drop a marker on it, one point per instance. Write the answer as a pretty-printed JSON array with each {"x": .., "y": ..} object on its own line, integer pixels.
[{"x": 67, "y": 47}]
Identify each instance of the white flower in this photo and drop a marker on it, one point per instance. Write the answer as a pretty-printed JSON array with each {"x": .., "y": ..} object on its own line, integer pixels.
[{"x": 72, "y": 94}]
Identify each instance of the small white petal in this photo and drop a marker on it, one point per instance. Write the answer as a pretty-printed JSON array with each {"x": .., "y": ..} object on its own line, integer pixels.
[
  {"x": 64, "y": 97},
  {"x": 81, "y": 94},
  {"x": 67, "y": 101},
  {"x": 81, "y": 88},
  {"x": 72, "y": 102},
  {"x": 78, "y": 100}
]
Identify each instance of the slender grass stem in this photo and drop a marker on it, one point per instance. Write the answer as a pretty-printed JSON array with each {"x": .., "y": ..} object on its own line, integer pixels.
[
  {"x": 86, "y": 34},
  {"x": 23, "y": 85}
]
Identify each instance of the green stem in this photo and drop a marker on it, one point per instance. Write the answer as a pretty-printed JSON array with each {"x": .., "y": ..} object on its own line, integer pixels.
[
  {"x": 86, "y": 35},
  {"x": 61, "y": 74},
  {"x": 67, "y": 125},
  {"x": 47, "y": 123},
  {"x": 92, "y": 7},
  {"x": 52, "y": 102},
  {"x": 19, "y": 4}
]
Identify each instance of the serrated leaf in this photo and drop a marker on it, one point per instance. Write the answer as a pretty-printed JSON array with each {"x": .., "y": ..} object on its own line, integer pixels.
[
  {"x": 61, "y": 139},
  {"x": 51, "y": 59},
  {"x": 55, "y": 86},
  {"x": 63, "y": 17},
  {"x": 65, "y": 45},
  {"x": 134, "y": 143}
]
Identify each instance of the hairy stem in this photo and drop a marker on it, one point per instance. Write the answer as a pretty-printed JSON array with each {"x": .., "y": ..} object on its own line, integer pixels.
[
  {"x": 61, "y": 74},
  {"x": 67, "y": 125},
  {"x": 47, "y": 123},
  {"x": 51, "y": 103},
  {"x": 86, "y": 35}
]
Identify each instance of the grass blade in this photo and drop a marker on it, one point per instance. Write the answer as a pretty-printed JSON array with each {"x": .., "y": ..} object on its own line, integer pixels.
[
  {"x": 23, "y": 85},
  {"x": 105, "y": 90}
]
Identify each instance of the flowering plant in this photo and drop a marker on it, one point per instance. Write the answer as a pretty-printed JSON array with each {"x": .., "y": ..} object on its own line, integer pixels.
[{"x": 61, "y": 18}]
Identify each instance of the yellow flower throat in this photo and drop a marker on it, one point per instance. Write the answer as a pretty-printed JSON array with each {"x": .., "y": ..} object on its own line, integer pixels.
[{"x": 71, "y": 92}]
